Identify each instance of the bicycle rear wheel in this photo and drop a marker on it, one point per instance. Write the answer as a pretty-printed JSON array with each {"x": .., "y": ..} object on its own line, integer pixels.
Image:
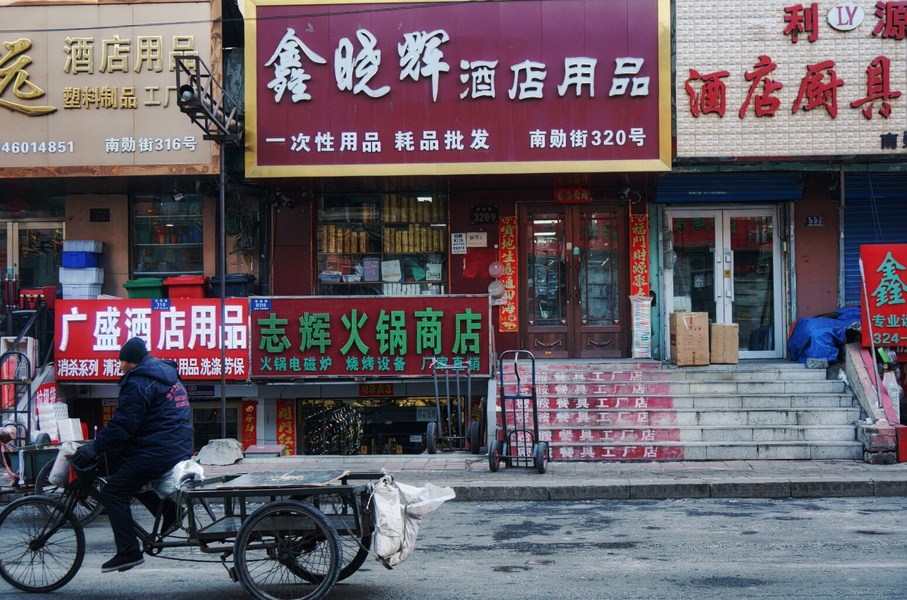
[
  {"x": 286, "y": 550},
  {"x": 41, "y": 546},
  {"x": 86, "y": 509}
]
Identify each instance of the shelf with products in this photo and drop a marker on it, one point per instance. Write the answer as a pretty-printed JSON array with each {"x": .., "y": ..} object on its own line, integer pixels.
[
  {"x": 167, "y": 235},
  {"x": 389, "y": 244}
]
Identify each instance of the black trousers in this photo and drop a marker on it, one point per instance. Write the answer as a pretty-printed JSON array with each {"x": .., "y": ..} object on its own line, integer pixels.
[{"x": 117, "y": 494}]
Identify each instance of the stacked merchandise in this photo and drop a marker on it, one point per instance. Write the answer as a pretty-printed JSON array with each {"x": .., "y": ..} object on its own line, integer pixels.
[
  {"x": 80, "y": 275},
  {"x": 641, "y": 311}
]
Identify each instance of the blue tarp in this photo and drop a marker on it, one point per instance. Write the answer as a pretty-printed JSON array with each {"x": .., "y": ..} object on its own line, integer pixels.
[{"x": 822, "y": 337}]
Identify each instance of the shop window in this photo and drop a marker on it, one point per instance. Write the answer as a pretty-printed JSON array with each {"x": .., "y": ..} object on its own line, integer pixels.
[
  {"x": 382, "y": 244},
  {"x": 207, "y": 425},
  {"x": 167, "y": 235}
]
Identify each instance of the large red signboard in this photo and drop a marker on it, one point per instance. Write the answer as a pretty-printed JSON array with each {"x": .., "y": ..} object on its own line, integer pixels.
[
  {"x": 90, "y": 332},
  {"x": 885, "y": 268},
  {"x": 368, "y": 336},
  {"x": 457, "y": 87}
]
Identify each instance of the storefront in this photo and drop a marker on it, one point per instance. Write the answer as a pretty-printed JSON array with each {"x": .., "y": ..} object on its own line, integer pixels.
[
  {"x": 773, "y": 145},
  {"x": 416, "y": 151}
]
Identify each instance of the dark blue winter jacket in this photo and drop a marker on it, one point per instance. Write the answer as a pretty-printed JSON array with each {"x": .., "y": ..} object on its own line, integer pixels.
[{"x": 152, "y": 424}]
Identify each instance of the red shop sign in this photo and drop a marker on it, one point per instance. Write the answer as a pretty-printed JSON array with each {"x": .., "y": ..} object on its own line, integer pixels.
[
  {"x": 885, "y": 268},
  {"x": 437, "y": 87},
  {"x": 186, "y": 330},
  {"x": 376, "y": 336}
]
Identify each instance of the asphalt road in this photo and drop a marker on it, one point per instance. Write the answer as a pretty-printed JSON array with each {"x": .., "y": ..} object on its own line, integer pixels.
[{"x": 690, "y": 548}]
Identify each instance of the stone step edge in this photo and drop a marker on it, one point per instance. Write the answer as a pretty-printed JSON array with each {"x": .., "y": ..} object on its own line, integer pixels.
[{"x": 693, "y": 444}]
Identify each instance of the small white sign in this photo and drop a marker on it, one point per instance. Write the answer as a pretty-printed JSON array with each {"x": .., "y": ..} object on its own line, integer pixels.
[
  {"x": 426, "y": 413},
  {"x": 477, "y": 239},
  {"x": 458, "y": 243}
]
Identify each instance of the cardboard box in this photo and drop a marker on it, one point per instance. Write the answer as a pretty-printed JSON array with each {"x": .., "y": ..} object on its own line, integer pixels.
[
  {"x": 689, "y": 339},
  {"x": 724, "y": 343}
]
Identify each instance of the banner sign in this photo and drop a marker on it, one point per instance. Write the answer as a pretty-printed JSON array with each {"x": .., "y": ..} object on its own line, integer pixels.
[
  {"x": 90, "y": 333},
  {"x": 249, "y": 432},
  {"x": 90, "y": 88},
  {"x": 438, "y": 87},
  {"x": 639, "y": 254},
  {"x": 885, "y": 268},
  {"x": 509, "y": 257},
  {"x": 784, "y": 79},
  {"x": 369, "y": 336},
  {"x": 286, "y": 425}
]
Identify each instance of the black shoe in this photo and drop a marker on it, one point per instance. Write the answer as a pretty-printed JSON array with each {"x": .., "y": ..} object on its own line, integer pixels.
[{"x": 123, "y": 562}]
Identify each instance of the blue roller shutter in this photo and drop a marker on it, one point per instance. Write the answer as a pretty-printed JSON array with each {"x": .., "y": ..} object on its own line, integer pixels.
[{"x": 875, "y": 212}]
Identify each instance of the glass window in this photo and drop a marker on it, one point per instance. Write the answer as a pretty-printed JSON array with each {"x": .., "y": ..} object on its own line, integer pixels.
[
  {"x": 167, "y": 236},
  {"x": 382, "y": 244}
]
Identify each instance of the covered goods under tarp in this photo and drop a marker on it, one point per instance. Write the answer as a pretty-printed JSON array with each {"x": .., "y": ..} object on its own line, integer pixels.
[{"x": 822, "y": 337}]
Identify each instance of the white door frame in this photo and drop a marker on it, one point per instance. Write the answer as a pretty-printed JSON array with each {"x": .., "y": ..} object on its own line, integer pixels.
[{"x": 723, "y": 269}]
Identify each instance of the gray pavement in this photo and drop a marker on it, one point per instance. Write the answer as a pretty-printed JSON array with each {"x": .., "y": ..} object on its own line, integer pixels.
[{"x": 471, "y": 478}]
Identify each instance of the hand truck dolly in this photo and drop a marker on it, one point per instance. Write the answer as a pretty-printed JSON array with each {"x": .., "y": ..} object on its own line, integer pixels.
[
  {"x": 517, "y": 442},
  {"x": 453, "y": 427}
]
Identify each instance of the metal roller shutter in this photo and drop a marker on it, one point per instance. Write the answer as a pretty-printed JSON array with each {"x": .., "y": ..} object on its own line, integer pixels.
[{"x": 875, "y": 212}]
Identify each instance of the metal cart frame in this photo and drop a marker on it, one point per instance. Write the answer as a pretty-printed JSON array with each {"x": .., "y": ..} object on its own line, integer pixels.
[
  {"x": 453, "y": 428},
  {"x": 517, "y": 442}
]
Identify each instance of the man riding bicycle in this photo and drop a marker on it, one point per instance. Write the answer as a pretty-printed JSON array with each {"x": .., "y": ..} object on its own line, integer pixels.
[{"x": 151, "y": 429}]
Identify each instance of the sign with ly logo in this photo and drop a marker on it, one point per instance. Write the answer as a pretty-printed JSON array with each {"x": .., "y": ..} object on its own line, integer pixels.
[{"x": 846, "y": 16}]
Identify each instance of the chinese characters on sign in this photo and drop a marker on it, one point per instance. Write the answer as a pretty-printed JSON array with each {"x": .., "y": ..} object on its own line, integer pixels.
[
  {"x": 885, "y": 268},
  {"x": 369, "y": 336},
  {"x": 81, "y": 89},
  {"x": 533, "y": 82},
  {"x": 509, "y": 257},
  {"x": 249, "y": 433},
  {"x": 286, "y": 425},
  {"x": 90, "y": 333},
  {"x": 639, "y": 254},
  {"x": 799, "y": 82}
]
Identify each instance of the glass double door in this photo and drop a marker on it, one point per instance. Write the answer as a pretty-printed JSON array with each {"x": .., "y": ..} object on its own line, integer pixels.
[
  {"x": 576, "y": 281},
  {"x": 33, "y": 250},
  {"x": 727, "y": 263}
]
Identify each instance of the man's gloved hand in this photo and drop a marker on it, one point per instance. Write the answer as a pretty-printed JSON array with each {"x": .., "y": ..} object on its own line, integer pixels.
[{"x": 84, "y": 457}]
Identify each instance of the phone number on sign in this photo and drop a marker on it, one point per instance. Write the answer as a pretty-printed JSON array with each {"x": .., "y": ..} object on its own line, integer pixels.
[{"x": 37, "y": 147}]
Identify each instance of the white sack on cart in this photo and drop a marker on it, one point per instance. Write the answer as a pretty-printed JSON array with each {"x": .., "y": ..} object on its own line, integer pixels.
[
  {"x": 399, "y": 509},
  {"x": 171, "y": 481},
  {"x": 59, "y": 473}
]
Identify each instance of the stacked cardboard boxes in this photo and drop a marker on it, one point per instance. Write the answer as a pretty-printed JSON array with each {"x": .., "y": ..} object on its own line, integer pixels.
[{"x": 689, "y": 339}]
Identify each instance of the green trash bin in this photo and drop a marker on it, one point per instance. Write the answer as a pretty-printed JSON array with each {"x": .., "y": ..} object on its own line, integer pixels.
[{"x": 145, "y": 287}]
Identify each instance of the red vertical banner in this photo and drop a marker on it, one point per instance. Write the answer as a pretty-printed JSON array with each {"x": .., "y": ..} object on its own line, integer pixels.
[
  {"x": 249, "y": 423},
  {"x": 286, "y": 425},
  {"x": 508, "y": 256},
  {"x": 639, "y": 254},
  {"x": 108, "y": 406}
]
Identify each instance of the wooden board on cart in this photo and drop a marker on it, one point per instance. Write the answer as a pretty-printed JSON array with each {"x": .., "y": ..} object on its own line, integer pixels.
[{"x": 269, "y": 479}]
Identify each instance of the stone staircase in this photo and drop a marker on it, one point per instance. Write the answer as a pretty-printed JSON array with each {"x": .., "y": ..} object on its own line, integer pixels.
[{"x": 648, "y": 411}]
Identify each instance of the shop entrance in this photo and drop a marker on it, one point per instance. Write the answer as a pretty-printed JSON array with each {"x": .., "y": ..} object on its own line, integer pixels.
[
  {"x": 727, "y": 263},
  {"x": 575, "y": 279},
  {"x": 33, "y": 250}
]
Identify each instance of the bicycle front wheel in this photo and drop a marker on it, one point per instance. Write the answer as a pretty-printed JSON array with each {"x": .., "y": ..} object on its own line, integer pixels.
[{"x": 41, "y": 546}]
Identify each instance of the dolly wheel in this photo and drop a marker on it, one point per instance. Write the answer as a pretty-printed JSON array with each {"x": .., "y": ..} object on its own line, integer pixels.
[
  {"x": 431, "y": 438},
  {"x": 540, "y": 457},
  {"x": 494, "y": 455},
  {"x": 475, "y": 444}
]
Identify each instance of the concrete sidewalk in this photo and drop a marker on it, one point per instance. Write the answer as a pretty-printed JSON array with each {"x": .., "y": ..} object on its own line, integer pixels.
[{"x": 471, "y": 478}]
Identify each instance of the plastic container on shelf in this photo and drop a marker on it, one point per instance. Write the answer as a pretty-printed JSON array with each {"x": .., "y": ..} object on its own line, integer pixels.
[
  {"x": 82, "y": 246},
  {"x": 236, "y": 285},
  {"x": 81, "y": 291},
  {"x": 79, "y": 259},
  {"x": 80, "y": 276},
  {"x": 145, "y": 287},
  {"x": 186, "y": 286}
]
